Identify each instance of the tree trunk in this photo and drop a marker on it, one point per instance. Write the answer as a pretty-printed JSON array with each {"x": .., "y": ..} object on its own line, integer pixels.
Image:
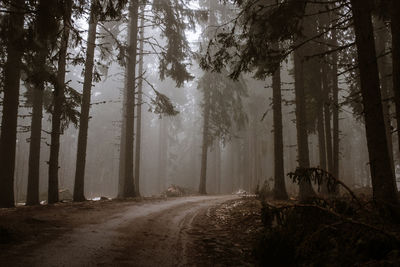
[
  {"x": 139, "y": 109},
  {"x": 279, "y": 172},
  {"x": 218, "y": 166},
  {"x": 204, "y": 149},
  {"x": 162, "y": 154},
  {"x": 382, "y": 37},
  {"x": 12, "y": 75},
  {"x": 121, "y": 173},
  {"x": 381, "y": 172},
  {"x": 206, "y": 113},
  {"x": 327, "y": 117},
  {"x": 58, "y": 99},
  {"x": 231, "y": 165},
  {"x": 305, "y": 188},
  {"x": 326, "y": 114},
  {"x": 129, "y": 186},
  {"x": 395, "y": 29},
  {"x": 247, "y": 159},
  {"x": 42, "y": 38},
  {"x": 34, "y": 147},
  {"x": 335, "y": 108},
  {"x": 320, "y": 126},
  {"x": 79, "y": 186},
  {"x": 326, "y": 92},
  {"x": 324, "y": 127},
  {"x": 254, "y": 163}
]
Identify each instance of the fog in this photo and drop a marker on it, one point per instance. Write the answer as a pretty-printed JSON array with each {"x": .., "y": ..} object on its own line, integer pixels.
[
  {"x": 199, "y": 133},
  {"x": 171, "y": 145},
  {"x": 175, "y": 70}
]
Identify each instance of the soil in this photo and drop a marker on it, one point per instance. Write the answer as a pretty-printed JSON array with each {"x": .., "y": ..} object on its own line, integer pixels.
[
  {"x": 184, "y": 231},
  {"x": 226, "y": 235}
]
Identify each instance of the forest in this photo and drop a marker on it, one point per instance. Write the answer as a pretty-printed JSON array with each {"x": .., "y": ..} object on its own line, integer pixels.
[{"x": 274, "y": 121}]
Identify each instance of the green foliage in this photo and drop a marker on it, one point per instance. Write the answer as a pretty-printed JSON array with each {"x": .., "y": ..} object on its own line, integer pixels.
[
  {"x": 352, "y": 78},
  {"x": 107, "y": 9},
  {"x": 249, "y": 44},
  {"x": 326, "y": 233},
  {"x": 174, "y": 18},
  {"x": 225, "y": 104},
  {"x": 71, "y": 102},
  {"x": 222, "y": 95},
  {"x": 339, "y": 231},
  {"x": 315, "y": 176},
  {"x": 109, "y": 32},
  {"x": 162, "y": 105},
  {"x": 29, "y": 94},
  {"x": 32, "y": 43}
]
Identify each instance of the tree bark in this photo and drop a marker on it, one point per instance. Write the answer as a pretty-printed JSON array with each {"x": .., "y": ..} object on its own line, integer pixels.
[
  {"x": 381, "y": 172},
  {"x": 12, "y": 75},
  {"x": 139, "y": 109},
  {"x": 79, "y": 186},
  {"x": 326, "y": 93},
  {"x": 34, "y": 146},
  {"x": 162, "y": 154},
  {"x": 42, "y": 39},
  {"x": 320, "y": 126},
  {"x": 279, "y": 172},
  {"x": 305, "y": 188},
  {"x": 335, "y": 108},
  {"x": 206, "y": 113},
  {"x": 218, "y": 166},
  {"x": 205, "y": 145},
  {"x": 327, "y": 117},
  {"x": 121, "y": 173},
  {"x": 58, "y": 99},
  {"x": 381, "y": 39},
  {"x": 128, "y": 184},
  {"x": 395, "y": 29}
]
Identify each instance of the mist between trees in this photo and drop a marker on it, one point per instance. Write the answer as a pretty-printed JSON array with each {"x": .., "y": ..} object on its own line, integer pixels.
[{"x": 125, "y": 98}]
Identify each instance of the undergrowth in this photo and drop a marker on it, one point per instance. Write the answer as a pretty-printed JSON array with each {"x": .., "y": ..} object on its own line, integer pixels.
[
  {"x": 264, "y": 191},
  {"x": 330, "y": 231}
]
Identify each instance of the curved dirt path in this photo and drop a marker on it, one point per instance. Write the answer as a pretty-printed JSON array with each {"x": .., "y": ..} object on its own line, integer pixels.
[{"x": 152, "y": 234}]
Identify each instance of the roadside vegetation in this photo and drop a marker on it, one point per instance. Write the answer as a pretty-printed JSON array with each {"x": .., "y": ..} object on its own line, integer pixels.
[{"x": 342, "y": 228}]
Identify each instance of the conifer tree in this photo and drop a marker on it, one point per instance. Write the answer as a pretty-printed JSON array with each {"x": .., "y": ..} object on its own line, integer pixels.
[
  {"x": 12, "y": 75},
  {"x": 58, "y": 103},
  {"x": 45, "y": 34}
]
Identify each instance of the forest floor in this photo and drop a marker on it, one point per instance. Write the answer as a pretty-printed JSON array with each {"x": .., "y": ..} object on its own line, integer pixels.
[{"x": 194, "y": 231}]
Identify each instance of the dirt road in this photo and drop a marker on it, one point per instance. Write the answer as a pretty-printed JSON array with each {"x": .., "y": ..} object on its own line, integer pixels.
[{"x": 139, "y": 234}]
